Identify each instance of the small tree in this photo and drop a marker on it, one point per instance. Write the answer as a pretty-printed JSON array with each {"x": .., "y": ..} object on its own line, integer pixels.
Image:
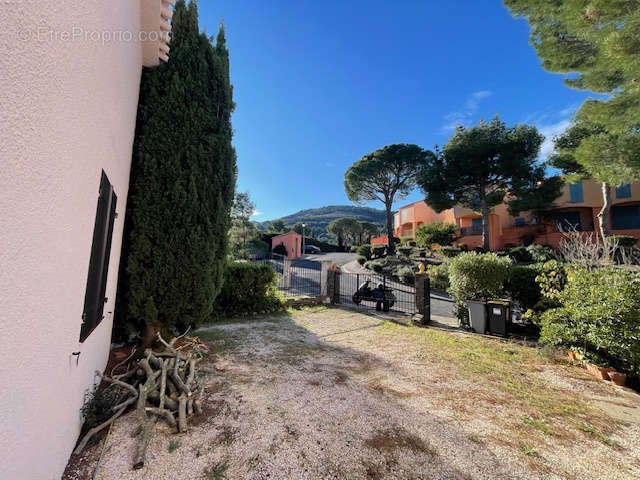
[
  {"x": 436, "y": 233},
  {"x": 242, "y": 228},
  {"x": 387, "y": 174},
  {"x": 480, "y": 165},
  {"x": 368, "y": 231},
  {"x": 277, "y": 226},
  {"x": 346, "y": 229}
]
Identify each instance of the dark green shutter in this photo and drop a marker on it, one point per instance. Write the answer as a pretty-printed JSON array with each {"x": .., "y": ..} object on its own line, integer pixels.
[{"x": 94, "y": 298}]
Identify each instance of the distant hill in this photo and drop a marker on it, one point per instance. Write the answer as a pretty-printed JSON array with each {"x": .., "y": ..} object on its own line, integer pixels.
[{"x": 319, "y": 218}]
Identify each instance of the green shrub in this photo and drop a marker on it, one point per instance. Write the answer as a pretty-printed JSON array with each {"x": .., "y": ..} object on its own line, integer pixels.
[
  {"x": 521, "y": 284},
  {"x": 405, "y": 240},
  {"x": 248, "y": 287},
  {"x": 439, "y": 276},
  {"x": 257, "y": 247},
  {"x": 361, "y": 260},
  {"x": 280, "y": 249},
  {"x": 625, "y": 241},
  {"x": 98, "y": 407},
  {"x": 378, "y": 251},
  {"x": 439, "y": 233},
  {"x": 365, "y": 251},
  {"x": 473, "y": 275},
  {"x": 450, "y": 252},
  {"x": 520, "y": 254},
  {"x": 541, "y": 253},
  {"x": 375, "y": 266},
  {"x": 405, "y": 250},
  {"x": 600, "y": 314},
  {"x": 406, "y": 275}
]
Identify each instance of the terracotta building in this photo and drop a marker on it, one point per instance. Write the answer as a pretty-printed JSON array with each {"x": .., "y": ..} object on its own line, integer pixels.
[{"x": 576, "y": 208}]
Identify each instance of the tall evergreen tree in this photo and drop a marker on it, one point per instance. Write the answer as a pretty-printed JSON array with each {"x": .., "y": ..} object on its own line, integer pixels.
[{"x": 182, "y": 183}]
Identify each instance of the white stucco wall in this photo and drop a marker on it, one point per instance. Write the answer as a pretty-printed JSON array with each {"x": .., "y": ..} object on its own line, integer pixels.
[{"x": 67, "y": 111}]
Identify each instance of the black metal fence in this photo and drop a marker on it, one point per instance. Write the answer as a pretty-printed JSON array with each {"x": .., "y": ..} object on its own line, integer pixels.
[
  {"x": 296, "y": 278},
  {"x": 397, "y": 296}
]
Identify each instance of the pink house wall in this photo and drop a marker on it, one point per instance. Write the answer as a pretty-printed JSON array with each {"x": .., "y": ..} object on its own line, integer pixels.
[
  {"x": 68, "y": 112},
  {"x": 292, "y": 242}
]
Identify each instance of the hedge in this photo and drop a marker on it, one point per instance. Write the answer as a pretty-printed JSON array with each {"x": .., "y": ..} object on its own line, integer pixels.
[
  {"x": 248, "y": 287},
  {"x": 600, "y": 316},
  {"x": 378, "y": 251},
  {"x": 474, "y": 275}
]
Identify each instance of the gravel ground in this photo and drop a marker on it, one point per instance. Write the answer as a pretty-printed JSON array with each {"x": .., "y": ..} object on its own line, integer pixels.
[{"x": 334, "y": 394}]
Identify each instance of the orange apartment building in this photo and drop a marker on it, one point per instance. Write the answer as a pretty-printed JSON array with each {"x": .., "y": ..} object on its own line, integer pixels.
[{"x": 576, "y": 208}]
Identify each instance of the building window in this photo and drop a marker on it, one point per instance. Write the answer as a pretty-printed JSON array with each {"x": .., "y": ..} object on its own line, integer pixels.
[
  {"x": 476, "y": 225},
  {"x": 625, "y": 217},
  {"x": 575, "y": 193},
  {"x": 519, "y": 222},
  {"x": 568, "y": 221},
  {"x": 94, "y": 298},
  {"x": 623, "y": 191}
]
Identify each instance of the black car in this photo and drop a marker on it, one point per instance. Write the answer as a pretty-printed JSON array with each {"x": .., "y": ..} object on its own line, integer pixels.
[{"x": 311, "y": 249}]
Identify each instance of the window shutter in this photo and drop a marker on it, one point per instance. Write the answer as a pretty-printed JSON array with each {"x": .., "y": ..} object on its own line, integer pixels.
[
  {"x": 576, "y": 193},
  {"x": 623, "y": 191},
  {"x": 94, "y": 299}
]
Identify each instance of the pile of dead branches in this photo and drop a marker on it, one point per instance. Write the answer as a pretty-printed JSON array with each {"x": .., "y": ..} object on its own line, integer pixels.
[{"x": 161, "y": 384}]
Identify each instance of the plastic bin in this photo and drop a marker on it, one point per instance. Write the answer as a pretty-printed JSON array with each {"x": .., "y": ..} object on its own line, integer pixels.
[
  {"x": 477, "y": 315},
  {"x": 499, "y": 312}
]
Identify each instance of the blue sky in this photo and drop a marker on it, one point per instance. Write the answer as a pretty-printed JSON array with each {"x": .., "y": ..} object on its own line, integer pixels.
[{"x": 320, "y": 84}]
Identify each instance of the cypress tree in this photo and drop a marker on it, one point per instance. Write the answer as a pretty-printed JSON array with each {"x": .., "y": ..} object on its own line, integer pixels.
[{"x": 182, "y": 184}]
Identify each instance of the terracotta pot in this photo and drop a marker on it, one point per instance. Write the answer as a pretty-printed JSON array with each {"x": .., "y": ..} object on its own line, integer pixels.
[
  {"x": 618, "y": 378},
  {"x": 601, "y": 373}
]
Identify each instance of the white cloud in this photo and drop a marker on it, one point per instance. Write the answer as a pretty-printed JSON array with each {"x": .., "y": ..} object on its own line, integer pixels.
[
  {"x": 549, "y": 132},
  {"x": 256, "y": 213},
  {"x": 465, "y": 115},
  {"x": 551, "y": 124}
]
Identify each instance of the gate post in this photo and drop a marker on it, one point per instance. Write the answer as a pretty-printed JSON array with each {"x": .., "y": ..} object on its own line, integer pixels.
[
  {"x": 286, "y": 274},
  {"x": 333, "y": 285},
  {"x": 423, "y": 297},
  {"x": 325, "y": 268}
]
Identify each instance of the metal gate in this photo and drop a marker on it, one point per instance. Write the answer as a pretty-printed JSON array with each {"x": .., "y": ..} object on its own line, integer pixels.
[
  {"x": 404, "y": 296},
  {"x": 296, "y": 278}
]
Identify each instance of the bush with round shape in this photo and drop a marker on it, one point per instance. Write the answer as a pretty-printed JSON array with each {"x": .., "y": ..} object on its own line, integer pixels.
[
  {"x": 476, "y": 276},
  {"x": 436, "y": 233},
  {"x": 405, "y": 250},
  {"x": 598, "y": 313},
  {"x": 406, "y": 275},
  {"x": 375, "y": 266},
  {"x": 439, "y": 276},
  {"x": 365, "y": 251},
  {"x": 450, "y": 252},
  {"x": 541, "y": 253},
  {"x": 378, "y": 251}
]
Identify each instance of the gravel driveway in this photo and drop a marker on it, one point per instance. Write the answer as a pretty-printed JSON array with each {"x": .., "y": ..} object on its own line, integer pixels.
[{"x": 343, "y": 395}]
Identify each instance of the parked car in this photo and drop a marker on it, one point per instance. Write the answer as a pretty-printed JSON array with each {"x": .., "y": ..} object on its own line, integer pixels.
[{"x": 311, "y": 249}]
